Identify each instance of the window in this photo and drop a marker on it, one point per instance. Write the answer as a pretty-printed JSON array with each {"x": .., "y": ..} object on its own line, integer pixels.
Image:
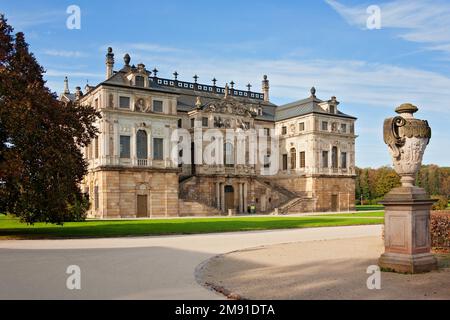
[
  {"x": 204, "y": 122},
  {"x": 180, "y": 123},
  {"x": 139, "y": 81},
  {"x": 141, "y": 144},
  {"x": 293, "y": 158},
  {"x": 324, "y": 126},
  {"x": 301, "y": 126},
  {"x": 285, "y": 162},
  {"x": 157, "y": 106},
  {"x": 284, "y": 130},
  {"x": 343, "y": 128},
  {"x": 332, "y": 109},
  {"x": 192, "y": 123},
  {"x": 125, "y": 146},
  {"x": 302, "y": 159},
  {"x": 158, "y": 149},
  {"x": 267, "y": 132},
  {"x": 228, "y": 154},
  {"x": 334, "y": 157},
  {"x": 344, "y": 160},
  {"x": 324, "y": 159},
  {"x": 96, "y": 103},
  {"x": 124, "y": 102}
]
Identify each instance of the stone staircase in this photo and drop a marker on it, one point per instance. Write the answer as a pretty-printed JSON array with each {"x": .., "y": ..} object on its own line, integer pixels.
[
  {"x": 189, "y": 208},
  {"x": 294, "y": 202},
  {"x": 190, "y": 204}
]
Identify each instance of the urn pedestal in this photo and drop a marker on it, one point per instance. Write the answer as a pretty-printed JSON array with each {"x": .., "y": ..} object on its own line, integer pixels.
[{"x": 407, "y": 235}]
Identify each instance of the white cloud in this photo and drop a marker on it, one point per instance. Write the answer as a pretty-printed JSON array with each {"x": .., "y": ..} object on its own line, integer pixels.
[
  {"x": 421, "y": 21},
  {"x": 65, "y": 53}
]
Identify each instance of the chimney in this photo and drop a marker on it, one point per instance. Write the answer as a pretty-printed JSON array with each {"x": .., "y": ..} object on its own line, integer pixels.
[
  {"x": 109, "y": 63},
  {"x": 66, "y": 86},
  {"x": 265, "y": 88}
]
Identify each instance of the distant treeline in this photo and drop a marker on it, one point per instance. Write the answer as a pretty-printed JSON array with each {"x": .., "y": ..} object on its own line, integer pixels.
[{"x": 373, "y": 184}]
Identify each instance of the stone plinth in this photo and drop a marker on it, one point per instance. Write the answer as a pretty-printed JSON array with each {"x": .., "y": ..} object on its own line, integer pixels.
[{"x": 407, "y": 231}]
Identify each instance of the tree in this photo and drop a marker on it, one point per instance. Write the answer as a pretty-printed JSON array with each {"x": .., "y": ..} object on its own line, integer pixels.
[{"x": 41, "y": 164}]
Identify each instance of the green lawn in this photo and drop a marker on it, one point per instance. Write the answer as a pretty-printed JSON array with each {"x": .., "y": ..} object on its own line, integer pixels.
[
  {"x": 11, "y": 228},
  {"x": 379, "y": 214},
  {"x": 370, "y": 207}
]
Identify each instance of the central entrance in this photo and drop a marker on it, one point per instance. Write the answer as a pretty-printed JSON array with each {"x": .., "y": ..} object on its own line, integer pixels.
[{"x": 229, "y": 197}]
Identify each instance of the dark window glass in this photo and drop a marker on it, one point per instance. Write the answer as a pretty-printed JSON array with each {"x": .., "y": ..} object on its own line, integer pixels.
[
  {"x": 141, "y": 144},
  {"x": 283, "y": 130},
  {"x": 285, "y": 161},
  {"x": 180, "y": 123},
  {"x": 205, "y": 122},
  {"x": 324, "y": 125},
  {"x": 139, "y": 81},
  {"x": 344, "y": 160},
  {"x": 125, "y": 146},
  {"x": 158, "y": 148},
  {"x": 334, "y": 157},
  {"x": 228, "y": 154},
  {"x": 301, "y": 126},
  {"x": 192, "y": 123},
  {"x": 343, "y": 128},
  {"x": 302, "y": 159},
  {"x": 293, "y": 158},
  {"x": 157, "y": 106},
  {"x": 325, "y": 159},
  {"x": 124, "y": 102}
]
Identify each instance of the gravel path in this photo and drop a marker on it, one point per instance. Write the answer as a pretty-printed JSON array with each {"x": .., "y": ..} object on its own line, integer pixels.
[{"x": 330, "y": 269}]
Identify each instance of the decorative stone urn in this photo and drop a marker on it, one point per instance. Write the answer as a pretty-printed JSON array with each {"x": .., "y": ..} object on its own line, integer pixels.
[
  {"x": 407, "y": 208},
  {"x": 407, "y": 139}
]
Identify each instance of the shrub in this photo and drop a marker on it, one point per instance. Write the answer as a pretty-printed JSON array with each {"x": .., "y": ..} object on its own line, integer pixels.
[
  {"x": 440, "y": 229},
  {"x": 441, "y": 204},
  {"x": 78, "y": 210}
]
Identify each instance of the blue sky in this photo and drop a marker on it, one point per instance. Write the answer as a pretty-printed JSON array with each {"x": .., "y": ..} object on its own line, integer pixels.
[{"x": 298, "y": 44}]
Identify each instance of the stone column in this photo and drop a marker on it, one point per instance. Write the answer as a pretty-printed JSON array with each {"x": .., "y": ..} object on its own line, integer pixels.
[
  {"x": 245, "y": 197},
  {"x": 222, "y": 197},
  {"x": 407, "y": 208},
  {"x": 218, "y": 195},
  {"x": 241, "y": 197}
]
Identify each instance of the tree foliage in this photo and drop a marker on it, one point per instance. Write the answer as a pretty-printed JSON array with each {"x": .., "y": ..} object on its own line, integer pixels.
[
  {"x": 374, "y": 184},
  {"x": 41, "y": 165}
]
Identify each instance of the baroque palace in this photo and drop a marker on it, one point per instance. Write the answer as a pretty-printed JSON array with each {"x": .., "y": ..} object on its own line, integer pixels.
[{"x": 133, "y": 173}]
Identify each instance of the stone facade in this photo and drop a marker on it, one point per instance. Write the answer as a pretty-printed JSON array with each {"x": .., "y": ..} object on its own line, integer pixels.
[{"x": 156, "y": 134}]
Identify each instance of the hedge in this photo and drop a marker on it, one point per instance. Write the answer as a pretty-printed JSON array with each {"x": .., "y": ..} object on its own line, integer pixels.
[{"x": 440, "y": 229}]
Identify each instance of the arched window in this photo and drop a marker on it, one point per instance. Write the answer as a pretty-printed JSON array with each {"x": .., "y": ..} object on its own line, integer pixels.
[
  {"x": 293, "y": 158},
  {"x": 228, "y": 154},
  {"x": 141, "y": 144},
  {"x": 334, "y": 157}
]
